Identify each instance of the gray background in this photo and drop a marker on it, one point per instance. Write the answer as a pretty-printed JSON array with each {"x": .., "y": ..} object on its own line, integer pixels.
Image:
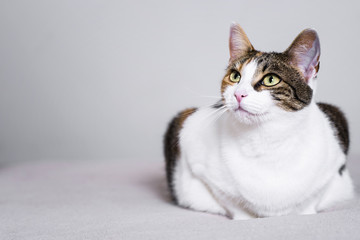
[{"x": 101, "y": 79}]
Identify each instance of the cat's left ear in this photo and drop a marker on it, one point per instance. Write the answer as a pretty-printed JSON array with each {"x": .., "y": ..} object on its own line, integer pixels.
[{"x": 304, "y": 53}]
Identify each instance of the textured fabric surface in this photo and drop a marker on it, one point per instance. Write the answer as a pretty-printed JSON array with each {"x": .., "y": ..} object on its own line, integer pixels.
[{"x": 129, "y": 200}]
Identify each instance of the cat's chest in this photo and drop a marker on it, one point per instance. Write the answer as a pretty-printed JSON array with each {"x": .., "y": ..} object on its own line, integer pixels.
[
  {"x": 261, "y": 175},
  {"x": 262, "y": 161},
  {"x": 257, "y": 163},
  {"x": 254, "y": 146},
  {"x": 262, "y": 164},
  {"x": 255, "y": 166}
]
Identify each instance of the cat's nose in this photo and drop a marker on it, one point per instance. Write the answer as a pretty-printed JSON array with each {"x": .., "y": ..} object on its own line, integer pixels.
[{"x": 239, "y": 96}]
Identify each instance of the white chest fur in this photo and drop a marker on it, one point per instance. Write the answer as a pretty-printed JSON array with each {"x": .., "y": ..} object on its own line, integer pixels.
[{"x": 269, "y": 169}]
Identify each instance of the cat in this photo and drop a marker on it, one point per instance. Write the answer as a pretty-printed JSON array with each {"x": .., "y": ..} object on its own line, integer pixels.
[{"x": 266, "y": 148}]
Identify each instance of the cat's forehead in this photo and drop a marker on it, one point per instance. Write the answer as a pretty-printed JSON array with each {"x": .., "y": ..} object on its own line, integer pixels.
[{"x": 263, "y": 60}]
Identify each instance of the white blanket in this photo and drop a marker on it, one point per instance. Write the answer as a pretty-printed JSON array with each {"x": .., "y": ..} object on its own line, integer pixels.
[{"x": 129, "y": 200}]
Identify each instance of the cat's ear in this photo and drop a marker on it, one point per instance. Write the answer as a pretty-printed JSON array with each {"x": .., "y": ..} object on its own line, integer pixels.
[
  {"x": 239, "y": 43},
  {"x": 304, "y": 53}
]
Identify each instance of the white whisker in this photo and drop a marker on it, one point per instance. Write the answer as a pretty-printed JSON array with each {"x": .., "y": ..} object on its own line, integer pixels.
[{"x": 217, "y": 114}]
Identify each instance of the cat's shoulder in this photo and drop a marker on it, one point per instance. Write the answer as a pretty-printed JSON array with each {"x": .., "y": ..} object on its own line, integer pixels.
[
  {"x": 190, "y": 120},
  {"x": 339, "y": 124},
  {"x": 175, "y": 125}
]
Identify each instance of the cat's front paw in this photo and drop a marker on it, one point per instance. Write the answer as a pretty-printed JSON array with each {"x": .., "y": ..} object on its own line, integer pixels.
[
  {"x": 241, "y": 218},
  {"x": 239, "y": 214}
]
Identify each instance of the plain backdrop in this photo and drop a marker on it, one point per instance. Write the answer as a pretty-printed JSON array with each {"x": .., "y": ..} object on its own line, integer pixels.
[{"x": 101, "y": 79}]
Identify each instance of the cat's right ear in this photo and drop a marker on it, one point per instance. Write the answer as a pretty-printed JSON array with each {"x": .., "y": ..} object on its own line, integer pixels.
[{"x": 239, "y": 43}]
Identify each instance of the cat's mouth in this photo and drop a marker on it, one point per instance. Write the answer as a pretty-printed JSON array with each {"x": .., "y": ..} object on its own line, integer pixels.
[
  {"x": 245, "y": 112},
  {"x": 242, "y": 110}
]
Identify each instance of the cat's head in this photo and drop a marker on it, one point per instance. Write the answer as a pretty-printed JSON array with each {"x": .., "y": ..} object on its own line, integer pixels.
[{"x": 259, "y": 85}]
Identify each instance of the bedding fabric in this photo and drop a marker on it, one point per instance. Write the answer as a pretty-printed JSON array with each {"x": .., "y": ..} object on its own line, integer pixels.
[{"x": 129, "y": 200}]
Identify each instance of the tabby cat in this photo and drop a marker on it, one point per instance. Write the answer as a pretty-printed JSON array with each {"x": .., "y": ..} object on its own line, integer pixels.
[{"x": 266, "y": 148}]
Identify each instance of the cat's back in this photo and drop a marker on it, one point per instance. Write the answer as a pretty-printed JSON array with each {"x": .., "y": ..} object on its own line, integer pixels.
[
  {"x": 171, "y": 143},
  {"x": 338, "y": 123}
]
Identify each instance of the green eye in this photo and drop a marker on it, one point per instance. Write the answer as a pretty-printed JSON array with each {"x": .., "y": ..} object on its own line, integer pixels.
[
  {"x": 235, "y": 77},
  {"x": 270, "y": 80}
]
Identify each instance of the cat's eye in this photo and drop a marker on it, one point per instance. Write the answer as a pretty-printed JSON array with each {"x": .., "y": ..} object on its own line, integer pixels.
[
  {"x": 270, "y": 80},
  {"x": 235, "y": 77}
]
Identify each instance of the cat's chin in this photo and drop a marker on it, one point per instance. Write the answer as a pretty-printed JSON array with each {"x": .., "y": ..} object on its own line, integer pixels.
[{"x": 249, "y": 118}]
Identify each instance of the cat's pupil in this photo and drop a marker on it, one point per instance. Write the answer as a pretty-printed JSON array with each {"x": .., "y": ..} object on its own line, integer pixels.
[{"x": 271, "y": 79}]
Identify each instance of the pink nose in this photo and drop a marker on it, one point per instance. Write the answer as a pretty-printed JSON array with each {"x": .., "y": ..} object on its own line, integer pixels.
[{"x": 239, "y": 96}]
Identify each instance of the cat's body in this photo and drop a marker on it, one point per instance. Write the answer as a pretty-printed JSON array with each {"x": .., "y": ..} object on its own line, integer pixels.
[{"x": 265, "y": 149}]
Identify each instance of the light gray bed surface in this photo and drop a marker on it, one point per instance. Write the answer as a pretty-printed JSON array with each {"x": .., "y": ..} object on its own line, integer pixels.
[{"x": 129, "y": 200}]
